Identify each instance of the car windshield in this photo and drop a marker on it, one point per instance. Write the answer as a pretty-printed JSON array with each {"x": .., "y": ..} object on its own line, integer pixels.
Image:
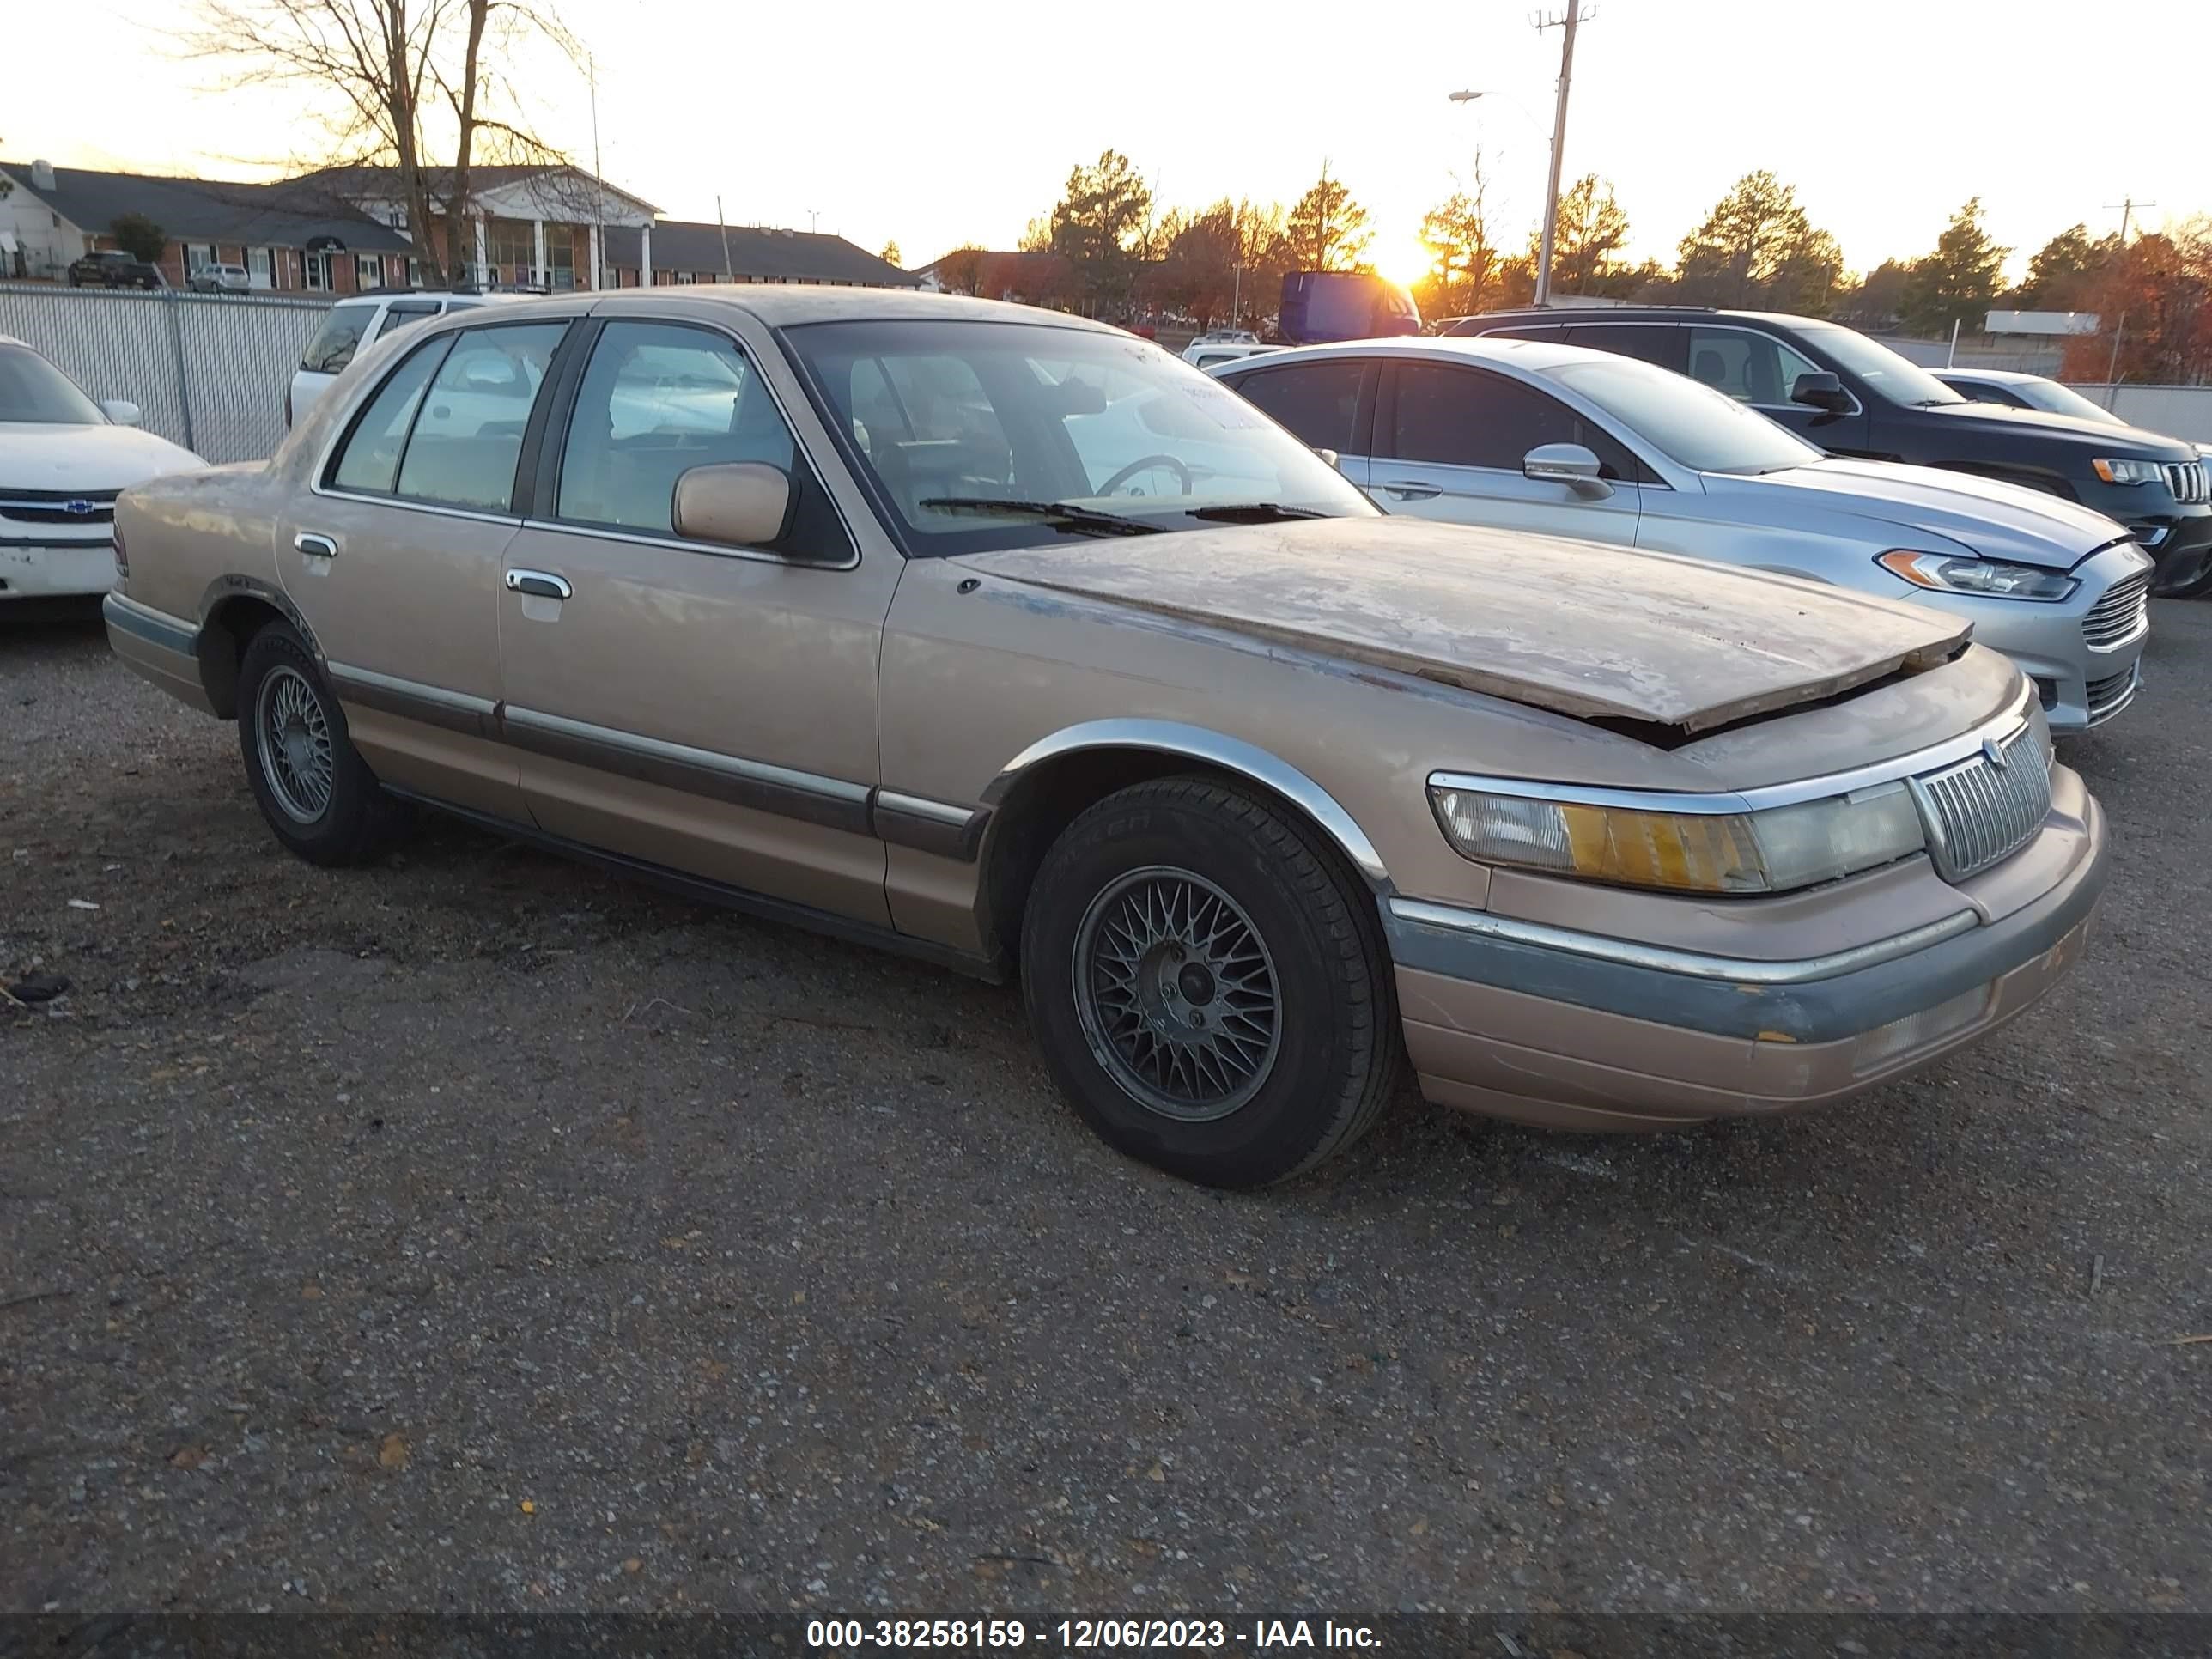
[
  {"x": 1886, "y": 374},
  {"x": 1706, "y": 430},
  {"x": 2058, "y": 399},
  {"x": 33, "y": 390},
  {"x": 989, "y": 434}
]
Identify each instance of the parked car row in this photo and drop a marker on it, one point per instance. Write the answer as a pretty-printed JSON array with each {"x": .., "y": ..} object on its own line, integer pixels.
[
  {"x": 1854, "y": 397},
  {"x": 1525, "y": 433},
  {"x": 995, "y": 636}
]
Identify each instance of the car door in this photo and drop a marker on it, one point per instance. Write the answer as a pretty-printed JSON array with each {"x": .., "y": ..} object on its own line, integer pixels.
[
  {"x": 392, "y": 557},
  {"x": 705, "y": 708},
  {"x": 1327, "y": 401},
  {"x": 1450, "y": 442},
  {"x": 1754, "y": 367}
]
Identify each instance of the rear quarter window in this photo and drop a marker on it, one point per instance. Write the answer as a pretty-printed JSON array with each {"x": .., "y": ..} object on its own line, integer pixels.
[{"x": 339, "y": 338}]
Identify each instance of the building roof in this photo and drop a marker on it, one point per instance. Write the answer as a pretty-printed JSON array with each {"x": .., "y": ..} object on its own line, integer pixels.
[
  {"x": 363, "y": 182},
  {"x": 758, "y": 252},
  {"x": 289, "y": 214}
]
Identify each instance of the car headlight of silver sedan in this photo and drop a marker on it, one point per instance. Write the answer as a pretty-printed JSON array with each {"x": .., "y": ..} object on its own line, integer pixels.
[
  {"x": 1604, "y": 838},
  {"x": 1986, "y": 579}
]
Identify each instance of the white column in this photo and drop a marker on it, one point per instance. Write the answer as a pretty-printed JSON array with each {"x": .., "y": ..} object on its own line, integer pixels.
[
  {"x": 537, "y": 235},
  {"x": 483, "y": 252},
  {"x": 597, "y": 281},
  {"x": 645, "y": 257}
]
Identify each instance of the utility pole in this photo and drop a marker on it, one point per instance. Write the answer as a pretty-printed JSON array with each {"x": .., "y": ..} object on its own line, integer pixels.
[
  {"x": 1566, "y": 25},
  {"x": 598, "y": 188},
  {"x": 2127, "y": 208}
]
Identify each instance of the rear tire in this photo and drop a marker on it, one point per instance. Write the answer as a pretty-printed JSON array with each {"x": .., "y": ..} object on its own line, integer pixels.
[
  {"x": 312, "y": 784},
  {"x": 1208, "y": 984}
]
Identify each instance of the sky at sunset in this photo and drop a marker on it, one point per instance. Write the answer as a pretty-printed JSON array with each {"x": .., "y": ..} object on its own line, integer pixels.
[{"x": 935, "y": 124}]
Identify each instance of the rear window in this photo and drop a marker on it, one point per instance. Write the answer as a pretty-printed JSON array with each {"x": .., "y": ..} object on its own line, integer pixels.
[{"x": 335, "y": 342}]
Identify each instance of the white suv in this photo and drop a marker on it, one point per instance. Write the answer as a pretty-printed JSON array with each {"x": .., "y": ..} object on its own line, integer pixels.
[{"x": 352, "y": 323}]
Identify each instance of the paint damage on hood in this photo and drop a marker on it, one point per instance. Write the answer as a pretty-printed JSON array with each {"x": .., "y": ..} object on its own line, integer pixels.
[{"x": 1581, "y": 629}]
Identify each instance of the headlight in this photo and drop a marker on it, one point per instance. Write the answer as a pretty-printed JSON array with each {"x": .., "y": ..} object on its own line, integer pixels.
[
  {"x": 2127, "y": 472},
  {"x": 1985, "y": 578},
  {"x": 1771, "y": 851}
]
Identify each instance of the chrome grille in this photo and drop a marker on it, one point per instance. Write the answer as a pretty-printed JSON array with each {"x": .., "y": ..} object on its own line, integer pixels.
[
  {"x": 58, "y": 506},
  {"x": 2119, "y": 617},
  {"x": 2111, "y": 694},
  {"x": 1981, "y": 811},
  {"x": 2188, "y": 481}
]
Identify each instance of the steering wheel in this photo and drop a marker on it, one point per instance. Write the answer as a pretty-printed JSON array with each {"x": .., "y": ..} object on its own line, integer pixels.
[{"x": 1144, "y": 463}]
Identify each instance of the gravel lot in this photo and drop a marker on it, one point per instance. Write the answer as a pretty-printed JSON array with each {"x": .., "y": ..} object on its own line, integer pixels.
[{"x": 478, "y": 1231}]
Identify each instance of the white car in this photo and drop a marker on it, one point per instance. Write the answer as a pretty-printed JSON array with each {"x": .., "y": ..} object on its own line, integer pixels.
[
  {"x": 1527, "y": 434},
  {"x": 221, "y": 279},
  {"x": 1224, "y": 345},
  {"x": 355, "y": 321},
  {"x": 63, "y": 459}
]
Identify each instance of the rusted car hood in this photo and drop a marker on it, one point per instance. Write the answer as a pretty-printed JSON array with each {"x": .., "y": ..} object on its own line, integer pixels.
[{"x": 1580, "y": 627}]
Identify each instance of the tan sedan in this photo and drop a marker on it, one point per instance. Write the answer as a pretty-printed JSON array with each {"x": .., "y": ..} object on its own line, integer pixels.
[{"x": 1004, "y": 639}]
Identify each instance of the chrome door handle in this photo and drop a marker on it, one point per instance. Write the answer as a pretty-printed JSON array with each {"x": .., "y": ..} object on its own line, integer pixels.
[
  {"x": 1407, "y": 491},
  {"x": 539, "y": 584},
  {"x": 314, "y": 546}
]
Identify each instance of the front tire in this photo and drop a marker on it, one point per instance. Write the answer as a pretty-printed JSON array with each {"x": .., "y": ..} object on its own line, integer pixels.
[
  {"x": 312, "y": 784},
  {"x": 1208, "y": 984}
]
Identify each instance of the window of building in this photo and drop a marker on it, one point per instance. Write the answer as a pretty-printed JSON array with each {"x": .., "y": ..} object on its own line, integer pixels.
[
  {"x": 259, "y": 269},
  {"x": 198, "y": 256},
  {"x": 315, "y": 272},
  {"x": 367, "y": 271}
]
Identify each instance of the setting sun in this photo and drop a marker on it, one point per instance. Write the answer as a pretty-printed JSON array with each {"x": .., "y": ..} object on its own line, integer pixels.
[{"x": 1404, "y": 262}]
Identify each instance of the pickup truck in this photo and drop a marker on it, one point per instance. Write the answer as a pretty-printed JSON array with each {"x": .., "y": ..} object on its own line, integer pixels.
[{"x": 112, "y": 267}]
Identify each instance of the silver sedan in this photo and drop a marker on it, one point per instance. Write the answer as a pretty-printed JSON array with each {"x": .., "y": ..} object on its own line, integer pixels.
[{"x": 1528, "y": 435}]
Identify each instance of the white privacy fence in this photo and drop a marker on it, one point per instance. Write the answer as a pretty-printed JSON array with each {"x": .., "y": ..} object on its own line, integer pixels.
[
  {"x": 2178, "y": 412},
  {"x": 209, "y": 370}
]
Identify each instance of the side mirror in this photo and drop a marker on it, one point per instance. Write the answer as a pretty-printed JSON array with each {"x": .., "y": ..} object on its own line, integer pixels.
[
  {"x": 1821, "y": 390},
  {"x": 1331, "y": 458},
  {"x": 1575, "y": 466},
  {"x": 737, "y": 503},
  {"x": 122, "y": 411}
]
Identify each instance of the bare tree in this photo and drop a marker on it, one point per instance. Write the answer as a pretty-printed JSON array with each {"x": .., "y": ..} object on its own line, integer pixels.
[{"x": 398, "y": 79}]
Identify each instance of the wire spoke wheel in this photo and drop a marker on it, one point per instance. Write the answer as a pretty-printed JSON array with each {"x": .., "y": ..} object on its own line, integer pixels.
[
  {"x": 1177, "y": 993},
  {"x": 298, "y": 761}
]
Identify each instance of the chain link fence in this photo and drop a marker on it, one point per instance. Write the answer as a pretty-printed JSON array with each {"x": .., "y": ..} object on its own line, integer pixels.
[{"x": 207, "y": 370}]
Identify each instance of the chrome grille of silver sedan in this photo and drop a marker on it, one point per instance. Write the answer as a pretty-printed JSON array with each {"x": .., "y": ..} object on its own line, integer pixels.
[
  {"x": 2114, "y": 693},
  {"x": 2120, "y": 616},
  {"x": 2188, "y": 481},
  {"x": 1981, "y": 811}
]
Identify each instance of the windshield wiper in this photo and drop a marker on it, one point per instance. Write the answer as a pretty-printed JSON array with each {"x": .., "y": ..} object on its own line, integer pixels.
[
  {"x": 1254, "y": 512},
  {"x": 1063, "y": 515}
]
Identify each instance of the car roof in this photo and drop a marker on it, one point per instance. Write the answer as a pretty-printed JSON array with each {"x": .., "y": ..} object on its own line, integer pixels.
[
  {"x": 1569, "y": 315},
  {"x": 1521, "y": 357}
]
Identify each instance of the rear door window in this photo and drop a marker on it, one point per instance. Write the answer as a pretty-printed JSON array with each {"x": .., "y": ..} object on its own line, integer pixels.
[
  {"x": 1319, "y": 402},
  {"x": 339, "y": 338},
  {"x": 467, "y": 435},
  {"x": 1649, "y": 343},
  {"x": 369, "y": 462}
]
